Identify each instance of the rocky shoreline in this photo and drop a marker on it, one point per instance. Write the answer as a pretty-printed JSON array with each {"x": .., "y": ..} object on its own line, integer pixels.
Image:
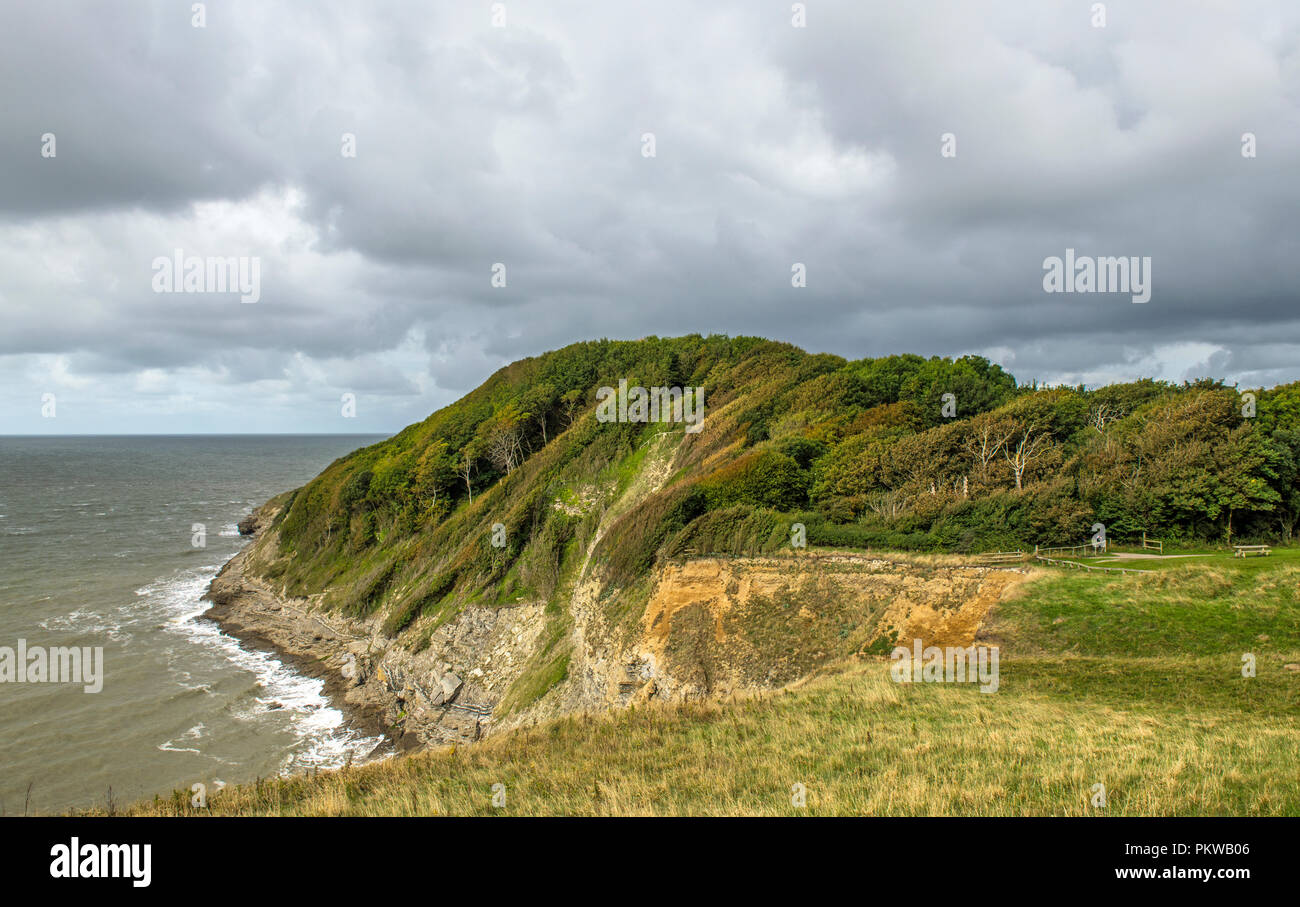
[
  {"x": 245, "y": 609},
  {"x": 445, "y": 693}
]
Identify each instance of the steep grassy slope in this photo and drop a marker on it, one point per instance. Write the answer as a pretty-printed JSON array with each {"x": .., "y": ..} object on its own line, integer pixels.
[{"x": 899, "y": 452}]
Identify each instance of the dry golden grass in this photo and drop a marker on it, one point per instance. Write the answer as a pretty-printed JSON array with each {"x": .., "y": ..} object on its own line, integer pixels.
[{"x": 864, "y": 745}]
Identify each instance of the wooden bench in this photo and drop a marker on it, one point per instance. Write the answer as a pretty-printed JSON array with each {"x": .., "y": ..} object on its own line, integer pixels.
[{"x": 1248, "y": 550}]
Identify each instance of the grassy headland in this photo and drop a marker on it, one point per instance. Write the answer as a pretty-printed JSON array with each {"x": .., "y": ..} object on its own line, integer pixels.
[{"x": 516, "y": 550}]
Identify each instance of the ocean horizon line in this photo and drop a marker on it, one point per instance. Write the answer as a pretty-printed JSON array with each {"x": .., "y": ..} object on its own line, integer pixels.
[{"x": 212, "y": 434}]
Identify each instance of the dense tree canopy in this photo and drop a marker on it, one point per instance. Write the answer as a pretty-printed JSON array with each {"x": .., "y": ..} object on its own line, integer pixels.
[{"x": 900, "y": 451}]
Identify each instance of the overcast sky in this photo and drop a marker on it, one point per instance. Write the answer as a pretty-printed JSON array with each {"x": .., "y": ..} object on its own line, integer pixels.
[{"x": 524, "y": 145}]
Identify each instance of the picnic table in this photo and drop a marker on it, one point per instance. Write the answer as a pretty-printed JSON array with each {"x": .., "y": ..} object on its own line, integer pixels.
[{"x": 1248, "y": 550}]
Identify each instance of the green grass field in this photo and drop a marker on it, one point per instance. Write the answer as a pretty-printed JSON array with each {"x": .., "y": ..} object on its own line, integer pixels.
[{"x": 1132, "y": 682}]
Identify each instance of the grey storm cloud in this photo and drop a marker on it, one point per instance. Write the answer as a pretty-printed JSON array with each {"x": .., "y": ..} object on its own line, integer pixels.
[{"x": 523, "y": 145}]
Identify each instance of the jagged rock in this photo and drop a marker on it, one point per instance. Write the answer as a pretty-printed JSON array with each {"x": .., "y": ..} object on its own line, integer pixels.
[
  {"x": 356, "y": 669},
  {"x": 391, "y": 677},
  {"x": 224, "y": 595},
  {"x": 451, "y": 685},
  {"x": 437, "y": 697},
  {"x": 248, "y": 525},
  {"x": 421, "y": 697},
  {"x": 349, "y": 669},
  {"x": 365, "y": 668}
]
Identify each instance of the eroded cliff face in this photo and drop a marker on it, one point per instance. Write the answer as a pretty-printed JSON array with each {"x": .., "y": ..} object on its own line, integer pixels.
[
  {"x": 701, "y": 627},
  {"x": 716, "y": 625},
  {"x": 445, "y": 692}
]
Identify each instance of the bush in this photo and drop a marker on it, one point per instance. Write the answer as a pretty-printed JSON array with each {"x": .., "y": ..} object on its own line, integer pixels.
[
  {"x": 765, "y": 478},
  {"x": 355, "y": 489}
]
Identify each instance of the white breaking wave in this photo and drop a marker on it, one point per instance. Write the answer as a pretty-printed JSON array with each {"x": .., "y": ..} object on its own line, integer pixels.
[
  {"x": 84, "y": 621},
  {"x": 323, "y": 739},
  {"x": 193, "y": 735}
]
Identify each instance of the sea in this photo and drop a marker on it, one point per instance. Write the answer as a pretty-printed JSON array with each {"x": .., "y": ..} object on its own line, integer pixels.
[{"x": 110, "y": 542}]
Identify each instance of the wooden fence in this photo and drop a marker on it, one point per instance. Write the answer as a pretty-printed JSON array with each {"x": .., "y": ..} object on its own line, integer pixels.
[
  {"x": 1087, "y": 550},
  {"x": 1002, "y": 557}
]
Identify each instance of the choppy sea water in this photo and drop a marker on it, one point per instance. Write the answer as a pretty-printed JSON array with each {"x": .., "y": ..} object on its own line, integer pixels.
[{"x": 96, "y": 549}]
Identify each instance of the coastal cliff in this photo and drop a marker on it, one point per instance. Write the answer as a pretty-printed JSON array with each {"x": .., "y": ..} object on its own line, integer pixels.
[
  {"x": 711, "y": 627},
  {"x": 571, "y": 536},
  {"x": 411, "y": 698}
]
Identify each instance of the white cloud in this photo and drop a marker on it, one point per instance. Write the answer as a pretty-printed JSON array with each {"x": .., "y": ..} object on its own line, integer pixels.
[{"x": 522, "y": 145}]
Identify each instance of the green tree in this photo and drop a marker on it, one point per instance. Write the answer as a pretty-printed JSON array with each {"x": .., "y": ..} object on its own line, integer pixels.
[{"x": 435, "y": 471}]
